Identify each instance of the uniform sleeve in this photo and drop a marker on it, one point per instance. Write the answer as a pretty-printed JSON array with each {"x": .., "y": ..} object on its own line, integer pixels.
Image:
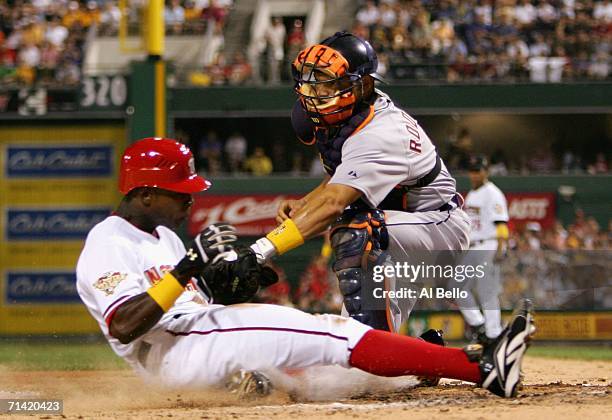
[
  {"x": 110, "y": 275},
  {"x": 372, "y": 165},
  {"x": 498, "y": 208}
]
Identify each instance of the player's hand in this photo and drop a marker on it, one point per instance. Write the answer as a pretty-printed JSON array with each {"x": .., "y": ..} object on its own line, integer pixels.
[
  {"x": 236, "y": 280},
  {"x": 288, "y": 208},
  {"x": 208, "y": 246}
]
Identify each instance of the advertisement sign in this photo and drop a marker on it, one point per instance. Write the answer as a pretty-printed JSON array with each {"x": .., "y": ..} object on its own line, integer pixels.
[
  {"x": 56, "y": 183},
  {"x": 52, "y": 224},
  {"x": 531, "y": 207},
  {"x": 255, "y": 214},
  {"x": 251, "y": 214},
  {"x": 58, "y": 161},
  {"x": 551, "y": 325},
  {"x": 41, "y": 287}
]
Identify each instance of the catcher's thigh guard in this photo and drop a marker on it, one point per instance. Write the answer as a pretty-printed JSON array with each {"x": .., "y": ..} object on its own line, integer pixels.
[{"x": 359, "y": 240}]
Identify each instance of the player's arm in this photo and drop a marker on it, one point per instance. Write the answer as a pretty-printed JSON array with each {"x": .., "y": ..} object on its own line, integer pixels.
[
  {"x": 288, "y": 208},
  {"x": 141, "y": 312},
  {"x": 323, "y": 206},
  {"x": 502, "y": 233}
]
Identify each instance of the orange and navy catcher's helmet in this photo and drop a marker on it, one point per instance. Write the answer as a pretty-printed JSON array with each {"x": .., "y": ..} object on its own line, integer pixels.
[
  {"x": 329, "y": 75},
  {"x": 160, "y": 163}
]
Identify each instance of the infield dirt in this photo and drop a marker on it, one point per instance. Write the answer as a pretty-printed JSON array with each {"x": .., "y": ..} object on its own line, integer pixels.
[{"x": 554, "y": 388}]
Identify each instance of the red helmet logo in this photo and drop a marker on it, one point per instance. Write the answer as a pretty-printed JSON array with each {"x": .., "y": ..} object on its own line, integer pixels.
[{"x": 160, "y": 163}]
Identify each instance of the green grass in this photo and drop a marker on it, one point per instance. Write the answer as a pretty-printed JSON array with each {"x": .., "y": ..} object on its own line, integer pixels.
[
  {"x": 58, "y": 356},
  {"x": 49, "y": 355},
  {"x": 580, "y": 352}
]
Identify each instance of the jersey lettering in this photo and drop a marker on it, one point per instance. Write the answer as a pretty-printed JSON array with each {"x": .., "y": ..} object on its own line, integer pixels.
[{"x": 414, "y": 146}]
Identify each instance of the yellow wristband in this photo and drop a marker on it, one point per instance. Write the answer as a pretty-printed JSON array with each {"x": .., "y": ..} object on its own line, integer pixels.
[
  {"x": 326, "y": 249},
  {"x": 502, "y": 231},
  {"x": 285, "y": 237},
  {"x": 166, "y": 292}
]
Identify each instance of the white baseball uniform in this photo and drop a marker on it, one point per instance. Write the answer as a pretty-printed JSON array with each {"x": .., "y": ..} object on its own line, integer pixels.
[
  {"x": 393, "y": 150},
  {"x": 486, "y": 206},
  {"x": 194, "y": 343}
]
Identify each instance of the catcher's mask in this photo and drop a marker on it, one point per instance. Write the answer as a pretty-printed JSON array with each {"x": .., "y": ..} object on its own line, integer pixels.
[{"x": 329, "y": 77}]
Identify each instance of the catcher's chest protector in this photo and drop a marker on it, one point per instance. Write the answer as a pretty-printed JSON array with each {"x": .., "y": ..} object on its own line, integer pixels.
[{"x": 330, "y": 149}]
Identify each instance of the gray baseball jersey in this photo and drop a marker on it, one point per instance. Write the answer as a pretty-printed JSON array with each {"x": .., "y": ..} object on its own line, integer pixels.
[{"x": 393, "y": 150}]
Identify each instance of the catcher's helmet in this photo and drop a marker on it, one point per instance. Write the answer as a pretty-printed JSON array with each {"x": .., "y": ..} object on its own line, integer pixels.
[
  {"x": 327, "y": 74},
  {"x": 161, "y": 163}
]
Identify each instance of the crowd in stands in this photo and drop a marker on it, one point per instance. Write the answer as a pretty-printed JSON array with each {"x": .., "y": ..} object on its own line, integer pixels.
[
  {"x": 457, "y": 150},
  {"x": 42, "y": 41},
  {"x": 236, "y": 156},
  {"x": 583, "y": 233},
  {"x": 463, "y": 40},
  {"x": 455, "y": 40}
]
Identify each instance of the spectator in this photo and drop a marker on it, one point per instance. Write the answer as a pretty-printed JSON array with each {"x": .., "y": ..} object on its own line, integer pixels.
[
  {"x": 49, "y": 60},
  {"x": 174, "y": 15},
  {"x": 275, "y": 35},
  {"x": 239, "y": 71},
  {"x": 600, "y": 166},
  {"x": 109, "y": 18},
  {"x": 29, "y": 55},
  {"x": 56, "y": 33},
  {"x": 484, "y": 11},
  {"x": 541, "y": 162},
  {"x": 209, "y": 152},
  {"x": 314, "y": 292},
  {"x": 279, "y": 155},
  {"x": 259, "y": 164},
  {"x": 215, "y": 13},
  {"x": 461, "y": 151},
  {"x": 369, "y": 14},
  {"x": 68, "y": 72},
  {"x": 603, "y": 11},
  {"x": 235, "y": 151},
  {"x": 295, "y": 39},
  {"x": 388, "y": 18},
  {"x": 599, "y": 67},
  {"x": 547, "y": 16},
  {"x": 539, "y": 47}
]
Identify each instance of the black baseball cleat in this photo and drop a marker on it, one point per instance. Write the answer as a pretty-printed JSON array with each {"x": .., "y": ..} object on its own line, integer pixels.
[
  {"x": 249, "y": 384},
  {"x": 434, "y": 337},
  {"x": 478, "y": 335},
  {"x": 500, "y": 361}
]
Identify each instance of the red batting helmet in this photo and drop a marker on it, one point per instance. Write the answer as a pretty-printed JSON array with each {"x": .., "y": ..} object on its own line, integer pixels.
[{"x": 161, "y": 163}]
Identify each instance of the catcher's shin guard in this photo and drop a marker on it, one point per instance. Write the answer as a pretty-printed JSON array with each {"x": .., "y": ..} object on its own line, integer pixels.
[{"x": 359, "y": 240}]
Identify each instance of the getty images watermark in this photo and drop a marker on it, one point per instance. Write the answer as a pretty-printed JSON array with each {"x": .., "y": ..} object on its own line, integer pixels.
[{"x": 454, "y": 276}]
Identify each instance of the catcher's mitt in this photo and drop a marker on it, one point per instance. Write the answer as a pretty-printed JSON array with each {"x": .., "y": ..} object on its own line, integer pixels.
[{"x": 236, "y": 281}]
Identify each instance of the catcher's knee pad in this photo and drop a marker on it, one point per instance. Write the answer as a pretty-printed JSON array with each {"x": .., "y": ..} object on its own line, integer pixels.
[{"x": 359, "y": 240}]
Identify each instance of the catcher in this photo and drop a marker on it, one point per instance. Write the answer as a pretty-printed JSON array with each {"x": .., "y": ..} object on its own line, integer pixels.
[
  {"x": 175, "y": 314},
  {"x": 388, "y": 194}
]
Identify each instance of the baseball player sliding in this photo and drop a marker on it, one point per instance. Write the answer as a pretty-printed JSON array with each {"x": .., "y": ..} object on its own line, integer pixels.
[
  {"x": 176, "y": 315},
  {"x": 388, "y": 193},
  {"x": 488, "y": 211}
]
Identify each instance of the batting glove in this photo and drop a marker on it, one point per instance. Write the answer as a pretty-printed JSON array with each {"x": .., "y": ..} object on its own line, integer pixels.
[{"x": 209, "y": 246}]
